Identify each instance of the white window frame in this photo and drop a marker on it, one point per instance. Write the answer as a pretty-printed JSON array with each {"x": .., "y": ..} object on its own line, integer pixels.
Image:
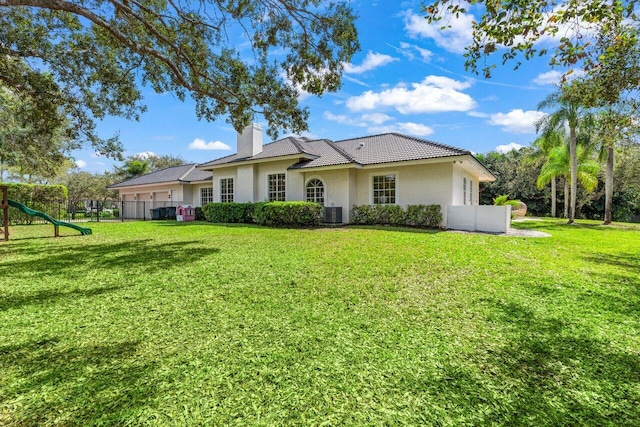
[
  {"x": 397, "y": 186},
  {"x": 201, "y": 198},
  {"x": 278, "y": 191},
  {"x": 324, "y": 189},
  {"x": 464, "y": 189},
  {"x": 470, "y": 191},
  {"x": 233, "y": 192}
]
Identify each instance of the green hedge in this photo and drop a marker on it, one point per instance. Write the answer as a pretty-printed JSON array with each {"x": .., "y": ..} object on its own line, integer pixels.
[
  {"x": 272, "y": 214},
  {"x": 228, "y": 212},
  {"x": 287, "y": 213},
  {"x": 44, "y": 198},
  {"x": 35, "y": 193},
  {"x": 423, "y": 216}
]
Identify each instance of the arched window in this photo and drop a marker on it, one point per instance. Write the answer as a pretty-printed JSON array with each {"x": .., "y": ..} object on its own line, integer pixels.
[{"x": 315, "y": 191}]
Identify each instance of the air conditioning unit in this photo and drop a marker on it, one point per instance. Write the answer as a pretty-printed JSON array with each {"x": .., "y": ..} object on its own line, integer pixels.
[{"x": 332, "y": 215}]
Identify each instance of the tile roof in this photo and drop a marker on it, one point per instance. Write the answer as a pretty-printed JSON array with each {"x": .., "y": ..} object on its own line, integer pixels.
[
  {"x": 366, "y": 150},
  {"x": 184, "y": 173},
  {"x": 282, "y": 147}
]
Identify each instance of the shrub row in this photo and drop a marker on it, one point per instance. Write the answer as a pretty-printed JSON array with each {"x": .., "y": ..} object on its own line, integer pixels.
[
  {"x": 265, "y": 213},
  {"x": 35, "y": 193},
  {"x": 423, "y": 216}
]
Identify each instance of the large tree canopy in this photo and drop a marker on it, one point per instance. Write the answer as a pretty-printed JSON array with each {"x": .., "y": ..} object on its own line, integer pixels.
[
  {"x": 234, "y": 58},
  {"x": 591, "y": 34}
]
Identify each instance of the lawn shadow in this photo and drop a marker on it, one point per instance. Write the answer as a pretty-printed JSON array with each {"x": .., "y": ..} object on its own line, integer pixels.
[
  {"x": 9, "y": 302},
  {"x": 51, "y": 383},
  {"x": 75, "y": 262},
  {"x": 553, "y": 361}
]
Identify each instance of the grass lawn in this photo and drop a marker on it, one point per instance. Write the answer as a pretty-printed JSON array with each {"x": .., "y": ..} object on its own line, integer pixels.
[{"x": 164, "y": 323}]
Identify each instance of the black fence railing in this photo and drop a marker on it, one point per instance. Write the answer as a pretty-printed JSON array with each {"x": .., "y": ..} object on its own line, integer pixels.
[{"x": 79, "y": 211}]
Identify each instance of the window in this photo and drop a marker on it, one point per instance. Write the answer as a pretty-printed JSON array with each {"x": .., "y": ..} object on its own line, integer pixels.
[
  {"x": 470, "y": 192},
  {"x": 315, "y": 191},
  {"x": 464, "y": 190},
  {"x": 277, "y": 192},
  {"x": 206, "y": 195},
  {"x": 384, "y": 189},
  {"x": 226, "y": 190}
]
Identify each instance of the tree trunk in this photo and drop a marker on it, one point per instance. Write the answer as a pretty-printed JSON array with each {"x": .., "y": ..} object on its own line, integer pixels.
[
  {"x": 573, "y": 153},
  {"x": 608, "y": 187},
  {"x": 566, "y": 198},
  {"x": 553, "y": 197}
]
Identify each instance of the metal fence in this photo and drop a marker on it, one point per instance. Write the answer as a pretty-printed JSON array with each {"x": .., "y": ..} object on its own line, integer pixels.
[{"x": 80, "y": 211}]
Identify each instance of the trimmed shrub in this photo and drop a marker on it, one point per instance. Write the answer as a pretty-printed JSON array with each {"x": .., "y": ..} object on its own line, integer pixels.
[
  {"x": 226, "y": 212},
  {"x": 275, "y": 214},
  {"x": 429, "y": 216},
  {"x": 424, "y": 216},
  {"x": 200, "y": 214}
]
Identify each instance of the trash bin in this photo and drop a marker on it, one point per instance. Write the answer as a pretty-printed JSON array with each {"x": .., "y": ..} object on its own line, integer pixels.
[
  {"x": 170, "y": 212},
  {"x": 158, "y": 213}
]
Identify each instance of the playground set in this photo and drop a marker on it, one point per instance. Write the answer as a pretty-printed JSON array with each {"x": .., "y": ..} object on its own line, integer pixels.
[{"x": 6, "y": 203}]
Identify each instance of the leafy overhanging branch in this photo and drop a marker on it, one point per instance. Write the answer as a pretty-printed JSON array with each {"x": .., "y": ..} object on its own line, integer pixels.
[{"x": 96, "y": 51}]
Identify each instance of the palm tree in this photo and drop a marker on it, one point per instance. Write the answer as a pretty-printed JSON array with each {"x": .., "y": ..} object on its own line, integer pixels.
[
  {"x": 559, "y": 164},
  {"x": 568, "y": 113},
  {"x": 545, "y": 144}
]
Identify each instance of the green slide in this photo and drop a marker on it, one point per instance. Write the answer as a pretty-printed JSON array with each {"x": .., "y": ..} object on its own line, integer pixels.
[{"x": 49, "y": 218}]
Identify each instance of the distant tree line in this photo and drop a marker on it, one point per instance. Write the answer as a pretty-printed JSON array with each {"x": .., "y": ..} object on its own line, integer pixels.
[{"x": 517, "y": 173}]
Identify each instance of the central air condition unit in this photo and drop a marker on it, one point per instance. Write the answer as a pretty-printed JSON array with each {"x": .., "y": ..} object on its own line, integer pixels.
[{"x": 332, "y": 215}]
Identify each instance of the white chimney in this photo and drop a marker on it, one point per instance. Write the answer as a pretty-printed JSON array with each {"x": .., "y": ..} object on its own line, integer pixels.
[{"x": 250, "y": 141}]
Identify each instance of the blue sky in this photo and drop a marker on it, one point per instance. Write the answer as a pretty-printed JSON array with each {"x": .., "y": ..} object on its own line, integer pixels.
[{"x": 409, "y": 77}]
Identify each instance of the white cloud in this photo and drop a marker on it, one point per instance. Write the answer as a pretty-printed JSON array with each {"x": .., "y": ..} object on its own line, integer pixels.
[
  {"x": 554, "y": 77},
  {"x": 516, "y": 121},
  {"x": 200, "y": 144},
  {"x": 435, "y": 94},
  {"x": 376, "y": 118},
  {"x": 81, "y": 164},
  {"x": 356, "y": 81},
  {"x": 478, "y": 114},
  {"x": 372, "y": 61},
  {"x": 342, "y": 119},
  {"x": 410, "y": 128},
  {"x": 407, "y": 49},
  {"x": 503, "y": 149},
  {"x": 453, "y": 39}
]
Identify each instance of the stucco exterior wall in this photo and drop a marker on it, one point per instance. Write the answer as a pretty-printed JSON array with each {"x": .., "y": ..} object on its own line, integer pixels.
[
  {"x": 230, "y": 172},
  {"x": 339, "y": 190},
  {"x": 264, "y": 169},
  {"x": 491, "y": 219}
]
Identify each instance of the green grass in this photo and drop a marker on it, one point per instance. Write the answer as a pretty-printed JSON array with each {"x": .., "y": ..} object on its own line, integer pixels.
[{"x": 164, "y": 323}]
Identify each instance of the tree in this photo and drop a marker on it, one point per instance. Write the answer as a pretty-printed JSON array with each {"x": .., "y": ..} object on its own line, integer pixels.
[
  {"x": 559, "y": 164},
  {"x": 568, "y": 113},
  {"x": 516, "y": 28},
  {"x": 545, "y": 144},
  {"x": 30, "y": 147},
  {"x": 88, "y": 59},
  {"x": 516, "y": 172},
  {"x": 135, "y": 167},
  {"x": 157, "y": 162},
  {"x": 143, "y": 163}
]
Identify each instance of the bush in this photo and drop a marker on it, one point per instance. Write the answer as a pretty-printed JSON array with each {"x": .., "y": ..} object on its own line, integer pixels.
[
  {"x": 287, "y": 214},
  {"x": 423, "y": 216},
  {"x": 28, "y": 194},
  {"x": 228, "y": 212},
  {"x": 200, "y": 214}
]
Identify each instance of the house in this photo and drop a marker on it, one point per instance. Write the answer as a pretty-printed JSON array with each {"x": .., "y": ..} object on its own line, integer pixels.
[
  {"x": 380, "y": 169},
  {"x": 185, "y": 184}
]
